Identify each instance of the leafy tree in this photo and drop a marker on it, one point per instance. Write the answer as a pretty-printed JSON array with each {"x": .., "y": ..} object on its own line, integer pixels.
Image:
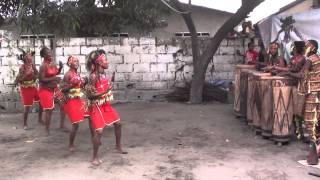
[{"x": 83, "y": 17}]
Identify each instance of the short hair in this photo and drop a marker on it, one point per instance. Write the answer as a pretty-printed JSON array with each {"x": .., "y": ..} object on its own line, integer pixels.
[
  {"x": 299, "y": 45},
  {"x": 43, "y": 52},
  {"x": 314, "y": 43}
]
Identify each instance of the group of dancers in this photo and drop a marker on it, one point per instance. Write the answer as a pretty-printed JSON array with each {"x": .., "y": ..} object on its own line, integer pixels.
[
  {"x": 78, "y": 97},
  {"x": 304, "y": 68}
]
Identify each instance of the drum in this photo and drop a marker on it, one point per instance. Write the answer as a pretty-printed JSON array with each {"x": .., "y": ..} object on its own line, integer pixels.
[
  {"x": 299, "y": 102},
  {"x": 240, "y": 82},
  {"x": 283, "y": 109},
  {"x": 257, "y": 100},
  {"x": 266, "y": 118},
  {"x": 244, "y": 91},
  {"x": 250, "y": 96}
]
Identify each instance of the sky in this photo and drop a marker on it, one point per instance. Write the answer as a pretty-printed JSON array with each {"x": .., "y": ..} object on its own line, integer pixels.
[{"x": 265, "y": 9}]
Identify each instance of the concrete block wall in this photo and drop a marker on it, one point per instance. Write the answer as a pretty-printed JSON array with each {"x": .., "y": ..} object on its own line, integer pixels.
[{"x": 146, "y": 68}]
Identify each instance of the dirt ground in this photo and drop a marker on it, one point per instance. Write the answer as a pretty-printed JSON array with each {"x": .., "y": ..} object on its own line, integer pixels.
[{"x": 164, "y": 140}]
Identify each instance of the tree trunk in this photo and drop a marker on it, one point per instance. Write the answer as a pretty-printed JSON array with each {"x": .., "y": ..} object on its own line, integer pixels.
[
  {"x": 197, "y": 84},
  {"x": 201, "y": 62}
]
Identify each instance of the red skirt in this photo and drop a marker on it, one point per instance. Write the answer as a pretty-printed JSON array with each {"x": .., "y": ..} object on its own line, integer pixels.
[
  {"x": 103, "y": 115},
  {"x": 75, "y": 109},
  {"x": 29, "y": 95},
  {"x": 46, "y": 96}
]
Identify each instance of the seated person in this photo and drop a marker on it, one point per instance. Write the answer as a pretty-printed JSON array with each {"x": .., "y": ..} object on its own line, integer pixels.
[{"x": 251, "y": 55}]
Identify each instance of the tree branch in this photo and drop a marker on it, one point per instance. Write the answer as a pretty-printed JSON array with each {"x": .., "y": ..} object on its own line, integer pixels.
[
  {"x": 192, "y": 29},
  {"x": 246, "y": 7}
]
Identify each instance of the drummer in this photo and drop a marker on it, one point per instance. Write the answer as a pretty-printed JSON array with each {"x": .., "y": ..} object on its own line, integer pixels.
[
  {"x": 274, "y": 59},
  {"x": 297, "y": 61},
  {"x": 310, "y": 75}
]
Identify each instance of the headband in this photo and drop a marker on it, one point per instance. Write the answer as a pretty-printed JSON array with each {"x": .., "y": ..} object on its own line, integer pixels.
[{"x": 100, "y": 58}]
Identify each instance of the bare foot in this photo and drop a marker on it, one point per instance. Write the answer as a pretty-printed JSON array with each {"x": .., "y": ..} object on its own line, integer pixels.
[
  {"x": 71, "y": 148},
  {"x": 95, "y": 162},
  {"x": 120, "y": 151}
]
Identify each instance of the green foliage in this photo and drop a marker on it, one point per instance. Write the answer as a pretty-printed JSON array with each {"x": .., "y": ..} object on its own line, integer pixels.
[{"x": 84, "y": 17}]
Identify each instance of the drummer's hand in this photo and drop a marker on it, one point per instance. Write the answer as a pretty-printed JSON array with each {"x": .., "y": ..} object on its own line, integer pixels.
[{"x": 283, "y": 74}]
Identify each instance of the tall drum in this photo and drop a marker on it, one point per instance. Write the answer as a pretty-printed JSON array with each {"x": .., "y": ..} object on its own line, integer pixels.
[
  {"x": 240, "y": 83},
  {"x": 266, "y": 118},
  {"x": 283, "y": 109},
  {"x": 258, "y": 100},
  {"x": 250, "y": 97},
  {"x": 299, "y": 102}
]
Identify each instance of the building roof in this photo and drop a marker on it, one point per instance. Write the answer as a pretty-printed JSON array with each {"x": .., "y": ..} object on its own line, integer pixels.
[
  {"x": 211, "y": 9},
  {"x": 284, "y": 8}
]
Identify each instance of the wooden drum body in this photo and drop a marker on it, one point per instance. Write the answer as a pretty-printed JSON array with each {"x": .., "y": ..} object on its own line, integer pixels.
[
  {"x": 299, "y": 102},
  {"x": 267, "y": 106},
  {"x": 283, "y": 109},
  {"x": 241, "y": 82},
  {"x": 258, "y": 99}
]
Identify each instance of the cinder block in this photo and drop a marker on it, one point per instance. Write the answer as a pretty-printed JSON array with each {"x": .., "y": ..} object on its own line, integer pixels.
[
  {"x": 147, "y": 58},
  {"x": 165, "y": 58},
  {"x": 119, "y": 77},
  {"x": 74, "y": 41},
  {"x": 139, "y": 68},
  {"x": 59, "y": 51},
  {"x": 131, "y": 58},
  {"x": 82, "y": 69},
  {"x": 144, "y": 85},
  {"x": 115, "y": 59},
  {"x": 134, "y": 77},
  {"x": 160, "y": 85},
  {"x": 226, "y": 59},
  {"x": 119, "y": 95},
  {"x": 63, "y": 59},
  {"x": 10, "y": 61},
  {"x": 4, "y": 52},
  {"x": 81, "y": 58},
  {"x": 111, "y": 40},
  {"x": 85, "y": 50},
  {"x": 122, "y": 49},
  {"x": 158, "y": 67},
  {"x": 108, "y": 48},
  {"x": 147, "y": 41},
  {"x": 123, "y": 68},
  {"x": 227, "y": 50},
  {"x": 133, "y": 41},
  {"x": 166, "y": 76},
  {"x": 59, "y": 42},
  {"x": 144, "y": 49},
  {"x": 171, "y": 67},
  {"x": 71, "y": 50},
  {"x": 94, "y": 41},
  {"x": 150, "y": 77}
]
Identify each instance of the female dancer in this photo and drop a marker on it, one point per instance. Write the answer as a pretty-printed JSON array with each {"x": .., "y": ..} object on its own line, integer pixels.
[
  {"x": 49, "y": 86},
  {"x": 27, "y": 77},
  {"x": 100, "y": 95},
  {"x": 73, "y": 105}
]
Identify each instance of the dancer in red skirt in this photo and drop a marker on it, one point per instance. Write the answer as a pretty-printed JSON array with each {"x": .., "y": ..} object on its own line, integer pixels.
[
  {"x": 74, "y": 106},
  {"x": 99, "y": 92},
  {"x": 49, "y": 86},
  {"x": 27, "y": 77}
]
